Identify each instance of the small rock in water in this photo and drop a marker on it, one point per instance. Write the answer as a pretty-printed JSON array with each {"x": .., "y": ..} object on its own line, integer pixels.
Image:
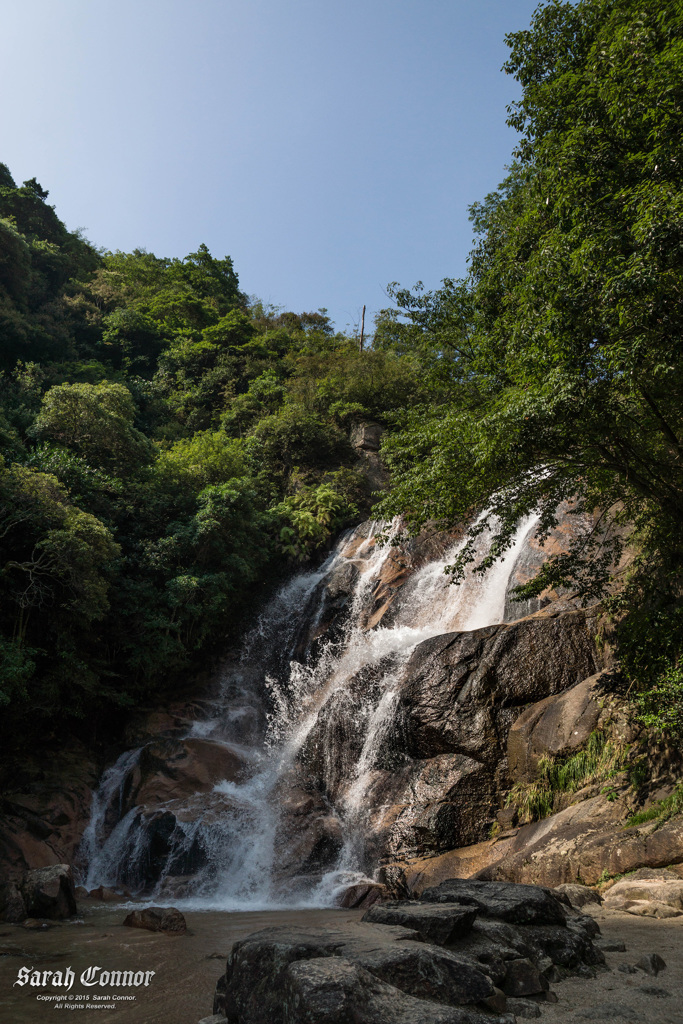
[
  {"x": 158, "y": 919},
  {"x": 104, "y": 894},
  {"x": 32, "y": 924},
  {"x": 215, "y": 1018},
  {"x": 651, "y": 963},
  {"x": 524, "y": 1008},
  {"x": 626, "y": 969}
]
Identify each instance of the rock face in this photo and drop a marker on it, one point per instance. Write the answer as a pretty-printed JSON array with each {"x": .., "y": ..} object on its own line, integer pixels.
[
  {"x": 441, "y": 768},
  {"x": 447, "y": 961},
  {"x": 555, "y": 727},
  {"x": 12, "y": 905},
  {"x": 49, "y": 892},
  {"x": 45, "y": 808}
]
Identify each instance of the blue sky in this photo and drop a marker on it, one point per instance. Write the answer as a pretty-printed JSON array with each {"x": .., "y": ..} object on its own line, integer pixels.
[{"x": 328, "y": 146}]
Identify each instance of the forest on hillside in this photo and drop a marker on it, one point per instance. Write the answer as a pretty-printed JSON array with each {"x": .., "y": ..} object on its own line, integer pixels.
[{"x": 171, "y": 447}]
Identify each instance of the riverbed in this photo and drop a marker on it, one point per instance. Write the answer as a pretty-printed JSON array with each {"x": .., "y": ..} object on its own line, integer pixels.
[{"x": 187, "y": 967}]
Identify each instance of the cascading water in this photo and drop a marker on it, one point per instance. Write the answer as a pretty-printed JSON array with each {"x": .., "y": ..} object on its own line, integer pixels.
[{"x": 316, "y": 660}]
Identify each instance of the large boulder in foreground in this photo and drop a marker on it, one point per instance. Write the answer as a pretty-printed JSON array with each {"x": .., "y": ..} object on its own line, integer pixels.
[
  {"x": 334, "y": 990},
  {"x": 49, "y": 892},
  {"x": 434, "y": 961}
]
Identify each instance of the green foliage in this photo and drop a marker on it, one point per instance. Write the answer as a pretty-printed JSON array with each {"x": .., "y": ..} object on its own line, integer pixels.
[
  {"x": 661, "y": 811},
  {"x": 208, "y": 457},
  {"x": 296, "y": 438},
  {"x": 17, "y": 669},
  {"x": 600, "y": 760},
  {"x": 312, "y": 517},
  {"x": 169, "y": 451},
  {"x": 96, "y": 421},
  {"x": 557, "y": 367}
]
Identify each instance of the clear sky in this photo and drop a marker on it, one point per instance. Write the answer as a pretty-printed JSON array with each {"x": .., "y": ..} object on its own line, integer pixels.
[{"x": 328, "y": 146}]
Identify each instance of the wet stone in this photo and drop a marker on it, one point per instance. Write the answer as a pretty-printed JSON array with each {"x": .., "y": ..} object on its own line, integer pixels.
[
  {"x": 334, "y": 990},
  {"x": 158, "y": 919},
  {"x": 435, "y": 923}
]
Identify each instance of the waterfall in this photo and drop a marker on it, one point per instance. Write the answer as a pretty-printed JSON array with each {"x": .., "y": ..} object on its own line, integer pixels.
[{"x": 316, "y": 662}]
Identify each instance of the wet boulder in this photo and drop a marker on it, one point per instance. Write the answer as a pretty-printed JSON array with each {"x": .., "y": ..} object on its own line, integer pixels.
[
  {"x": 362, "y": 895},
  {"x": 157, "y": 919},
  {"x": 461, "y": 691},
  {"x": 49, "y": 892}
]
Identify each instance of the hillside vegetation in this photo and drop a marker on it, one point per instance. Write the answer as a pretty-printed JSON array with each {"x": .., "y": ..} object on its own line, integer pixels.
[{"x": 169, "y": 449}]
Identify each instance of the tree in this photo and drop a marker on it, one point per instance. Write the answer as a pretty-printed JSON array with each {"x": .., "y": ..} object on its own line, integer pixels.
[
  {"x": 557, "y": 364},
  {"x": 95, "y": 420}
]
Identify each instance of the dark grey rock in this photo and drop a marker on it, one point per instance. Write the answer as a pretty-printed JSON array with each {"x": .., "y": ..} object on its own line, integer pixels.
[
  {"x": 49, "y": 892},
  {"x": 651, "y": 963},
  {"x": 565, "y": 947},
  {"x": 654, "y": 990},
  {"x": 253, "y": 988},
  {"x": 12, "y": 906},
  {"x": 334, "y": 990},
  {"x": 523, "y": 978},
  {"x": 524, "y": 1008},
  {"x": 158, "y": 919},
  {"x": 626, "y": 969},
  {"x": 435, "y": 923},
  {"x": 608, "y": 946},
  {"x": 507, "y": 901}
]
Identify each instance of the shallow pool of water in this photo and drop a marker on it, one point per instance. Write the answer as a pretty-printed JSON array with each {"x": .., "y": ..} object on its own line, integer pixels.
[{"x": 185, "y": 967}]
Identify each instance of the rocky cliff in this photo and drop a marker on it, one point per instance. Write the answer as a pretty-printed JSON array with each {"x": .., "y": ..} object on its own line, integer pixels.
[{"x": 376, "y": 721}]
